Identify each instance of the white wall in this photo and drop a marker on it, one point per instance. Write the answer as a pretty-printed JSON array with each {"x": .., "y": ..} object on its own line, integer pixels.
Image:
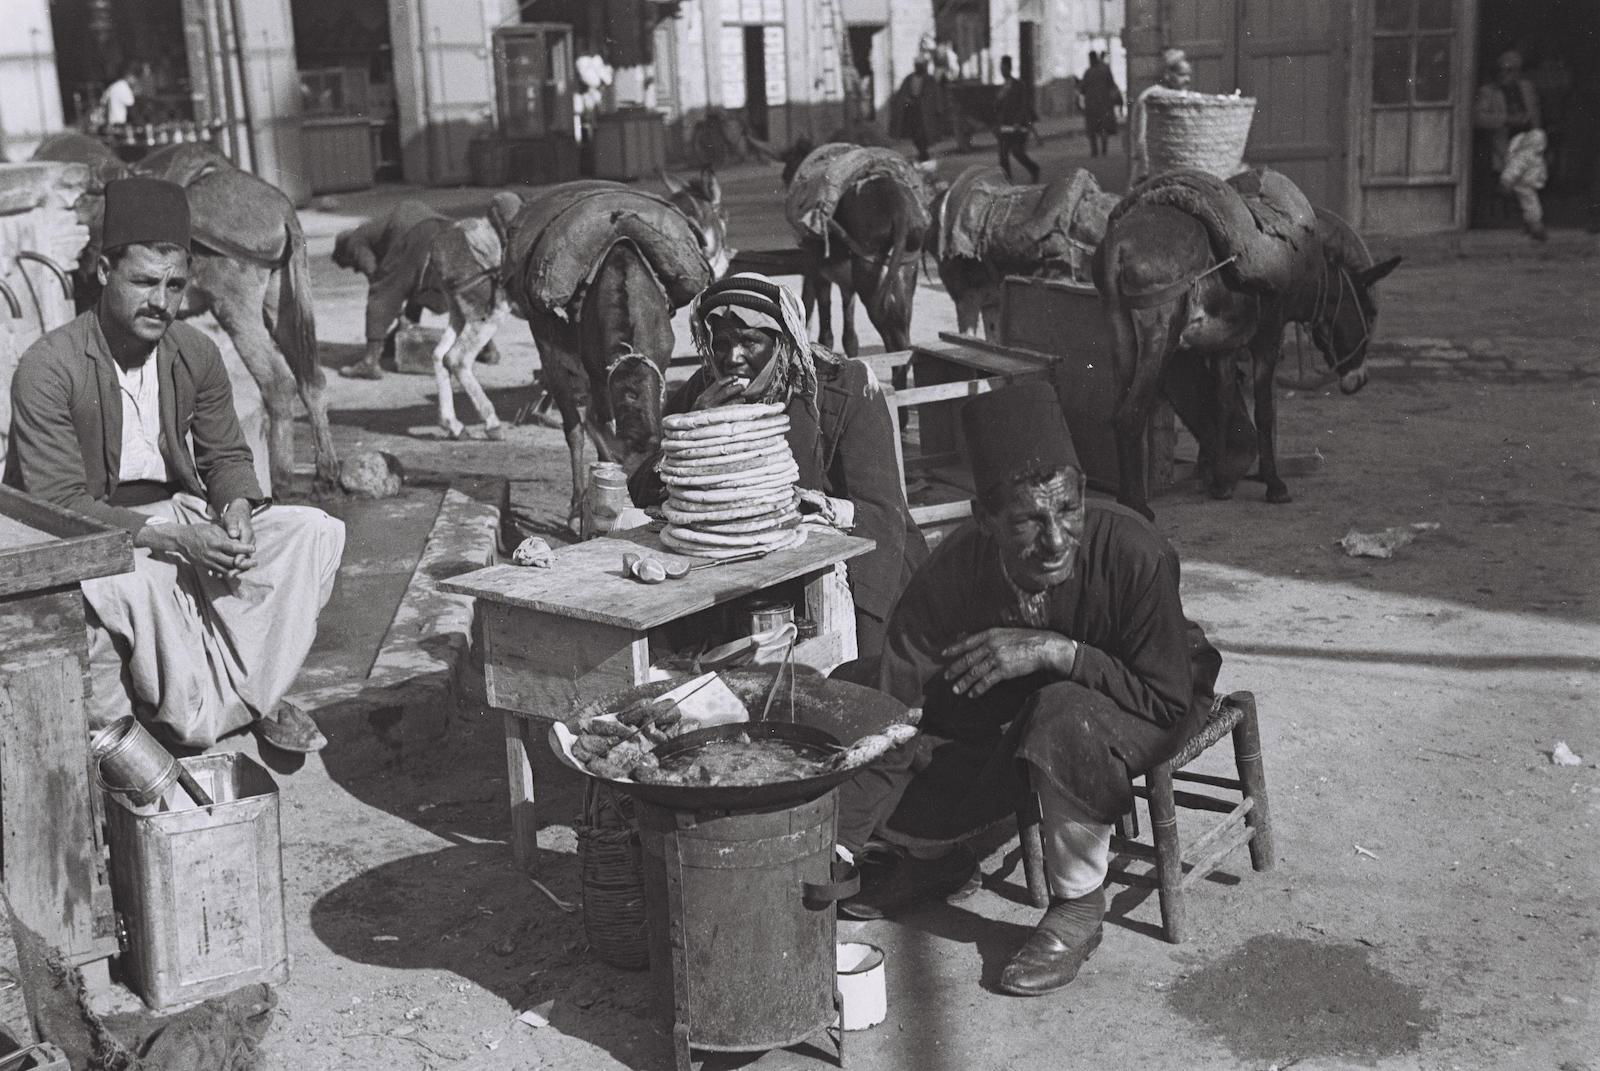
[{"x": 30, "y": 95}]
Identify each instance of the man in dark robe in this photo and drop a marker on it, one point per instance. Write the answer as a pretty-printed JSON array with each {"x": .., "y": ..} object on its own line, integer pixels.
[{"x": 1046, "y": 643}]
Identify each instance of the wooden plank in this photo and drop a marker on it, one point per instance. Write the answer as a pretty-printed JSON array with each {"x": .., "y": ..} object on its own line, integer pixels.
[
  {"x": 73, "y": 546},
  {"x": 42, "y": 627},
  {"x": 941, "y": 512},
  {"x": 829, "y": 604},
  {"x": 883, "y": 365},
  {"x": 949, "y": 392},
  {"x": 49, "y": 845},
  {"x": 519, "y": 733},
  {"x": 546, "y": 664},
  {"x": 586, "y": 582},
  {"x": 982, "y": 356}
]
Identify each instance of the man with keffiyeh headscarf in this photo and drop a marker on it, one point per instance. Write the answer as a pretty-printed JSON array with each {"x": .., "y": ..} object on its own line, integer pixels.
[{"x": 751, "y": 334}]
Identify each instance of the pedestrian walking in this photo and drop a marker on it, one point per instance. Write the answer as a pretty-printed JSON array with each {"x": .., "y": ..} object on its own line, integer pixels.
[
  {"x": 1014, "y": 117},
  {"x": 919, "y": 106},
  {"x": 1524, "y": 176},
  {"x": 1099, "y": 98}
]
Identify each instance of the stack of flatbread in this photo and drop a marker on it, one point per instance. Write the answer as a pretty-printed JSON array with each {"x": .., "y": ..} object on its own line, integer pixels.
[{"x": 730, "y": 481}]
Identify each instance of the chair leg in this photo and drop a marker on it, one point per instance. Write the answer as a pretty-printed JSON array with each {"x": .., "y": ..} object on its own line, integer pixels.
[
  {"x": 1253, "y": 776},
  {"x": 1169, "y": 855},
  {"x": 1127, "y": 825},
  {"x": 1032, "y": 839}
]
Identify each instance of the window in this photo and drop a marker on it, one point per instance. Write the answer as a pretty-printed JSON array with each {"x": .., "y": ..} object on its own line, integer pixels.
[{"x": 1412, "y": 49}]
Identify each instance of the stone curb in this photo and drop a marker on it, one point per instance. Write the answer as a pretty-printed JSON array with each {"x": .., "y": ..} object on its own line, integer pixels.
[{"x": 407, "y": 702}]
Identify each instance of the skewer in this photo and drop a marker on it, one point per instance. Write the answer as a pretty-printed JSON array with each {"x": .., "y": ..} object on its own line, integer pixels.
[
  {"x": 191, "y": 786},
  {"x": 772, "y": 689}
]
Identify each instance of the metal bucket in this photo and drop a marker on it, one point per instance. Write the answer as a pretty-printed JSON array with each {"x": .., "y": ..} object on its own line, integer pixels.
[
  {"x": 740, "y": 908},
  {"x": 132, "y": 763}
]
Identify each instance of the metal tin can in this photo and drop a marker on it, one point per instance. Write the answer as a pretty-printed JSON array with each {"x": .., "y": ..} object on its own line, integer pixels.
[{"x": 768, "y": 614}]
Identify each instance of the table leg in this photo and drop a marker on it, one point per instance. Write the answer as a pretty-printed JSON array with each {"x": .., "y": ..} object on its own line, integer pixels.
[{"x": 519, "y": 781}]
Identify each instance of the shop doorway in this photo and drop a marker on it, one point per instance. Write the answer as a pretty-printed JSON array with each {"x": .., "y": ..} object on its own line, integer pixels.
[
  {"x": 97, "y": 42},
  {"x": 1558, "y": 42},
  {"x": 350, "y": 122}
]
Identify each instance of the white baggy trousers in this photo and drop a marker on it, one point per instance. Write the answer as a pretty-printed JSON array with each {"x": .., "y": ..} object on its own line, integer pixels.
[{"x": 207, "y": 653}]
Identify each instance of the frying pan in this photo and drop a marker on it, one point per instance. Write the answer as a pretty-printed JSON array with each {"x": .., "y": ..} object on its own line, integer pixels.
[{"x": 825, "y": 712}]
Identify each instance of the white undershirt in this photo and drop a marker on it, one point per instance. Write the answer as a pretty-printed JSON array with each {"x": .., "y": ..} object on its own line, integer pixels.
[
  {"x": 117, "y": 98},
  {"x": 141, "y": 424}
]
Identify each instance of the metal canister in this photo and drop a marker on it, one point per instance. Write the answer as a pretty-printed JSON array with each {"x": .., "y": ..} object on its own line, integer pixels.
[{"x": 768, "y": 614}]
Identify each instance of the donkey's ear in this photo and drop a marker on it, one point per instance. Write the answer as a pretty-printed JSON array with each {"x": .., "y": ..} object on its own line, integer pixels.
[
  {"x": 713, "y": 188},
  {"x": 673, "y": 183},
  {"x": 1372, "y": 275}
]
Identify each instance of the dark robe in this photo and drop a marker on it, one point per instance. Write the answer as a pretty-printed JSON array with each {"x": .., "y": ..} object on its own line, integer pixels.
[
  {"x": 1142, "y": 682},
  {"x": 845, "y": 449}
]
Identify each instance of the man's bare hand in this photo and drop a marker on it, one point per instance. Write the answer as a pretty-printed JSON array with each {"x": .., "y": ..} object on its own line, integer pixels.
[
  {"x": 985, "y": 659},
  {"x": 210, "y": 547},
  {"x": 722, "y": 392}
]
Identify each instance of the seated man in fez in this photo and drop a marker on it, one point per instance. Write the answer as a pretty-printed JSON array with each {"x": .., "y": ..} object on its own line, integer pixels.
[
  {"x": 127, "y": 416},
  {"x": 1044, "y": 638}
]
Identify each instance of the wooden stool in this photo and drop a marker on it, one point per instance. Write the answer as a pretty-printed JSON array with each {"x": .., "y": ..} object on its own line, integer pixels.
[{"x": 1246, "y": 821}]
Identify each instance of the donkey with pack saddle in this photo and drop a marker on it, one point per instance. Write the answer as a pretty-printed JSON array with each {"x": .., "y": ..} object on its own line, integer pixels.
[
  {"x": 860, "y": 215},
  {"x": 598, "y": 268},
  {"x": 985, "y": 229},
  {"x": 1192, "y": 268},
  {"x": 249, "y": 269}
]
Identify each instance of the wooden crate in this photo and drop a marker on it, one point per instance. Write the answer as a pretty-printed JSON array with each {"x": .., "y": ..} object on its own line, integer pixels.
[
  {"x": 50, "y": 848},
  {"x": 629, "y": 144},
  {"x": 201, "y": 888}
]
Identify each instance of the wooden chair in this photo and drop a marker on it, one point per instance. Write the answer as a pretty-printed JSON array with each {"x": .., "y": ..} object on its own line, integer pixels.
[{"x": 1245, "y": 821}]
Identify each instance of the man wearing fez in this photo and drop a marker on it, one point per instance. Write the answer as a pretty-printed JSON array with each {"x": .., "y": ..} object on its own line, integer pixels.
[
  {"x": 126, "y": 416},
  {"x": 1047, "y": 647}
]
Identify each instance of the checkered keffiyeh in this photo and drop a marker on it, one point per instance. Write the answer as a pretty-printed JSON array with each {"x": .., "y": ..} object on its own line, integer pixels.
[{"x": 758, "y": 301}]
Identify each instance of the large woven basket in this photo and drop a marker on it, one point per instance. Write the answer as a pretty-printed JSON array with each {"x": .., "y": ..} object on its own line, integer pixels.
[
  {"x": 612, "y": 875},
  {"x": 1197, "y": 130}
]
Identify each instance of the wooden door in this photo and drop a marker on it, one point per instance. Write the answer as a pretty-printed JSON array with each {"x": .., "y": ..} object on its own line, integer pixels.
[
  {"x": 1414, "y": 88},
  {"x": 1290, "y": 56}
]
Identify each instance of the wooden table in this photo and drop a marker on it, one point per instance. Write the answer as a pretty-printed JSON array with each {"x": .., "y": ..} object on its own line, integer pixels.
[
  {"x": 557, "y": 638},
  {"x": 53, "y": 858}
]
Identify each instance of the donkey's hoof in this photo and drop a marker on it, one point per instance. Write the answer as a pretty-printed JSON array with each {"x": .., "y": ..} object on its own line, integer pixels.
[
  {"x": 361, "y": 371},
  {"x": 1220, "y": 492},
  {"x": 453, "y": 432},
  {"x": 1278, "y": 493},
  {"x": 495, "y": 434}
]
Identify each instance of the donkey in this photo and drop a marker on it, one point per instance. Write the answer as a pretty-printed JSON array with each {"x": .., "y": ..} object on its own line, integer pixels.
[
  {"x": 249, "y": 269},
  {"x": 700, "y": 200},
  {"x": 874, "y": 252},
  {"x": 603, "y": 357},
  {"x": 1168, "y": 300}
]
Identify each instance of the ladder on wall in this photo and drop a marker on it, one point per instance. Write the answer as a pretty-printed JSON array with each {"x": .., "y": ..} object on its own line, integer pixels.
[{"x": 837, "y": 60}]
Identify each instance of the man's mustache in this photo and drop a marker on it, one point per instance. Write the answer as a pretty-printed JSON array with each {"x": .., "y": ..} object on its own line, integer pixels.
[{"x": 157, "y": 314}]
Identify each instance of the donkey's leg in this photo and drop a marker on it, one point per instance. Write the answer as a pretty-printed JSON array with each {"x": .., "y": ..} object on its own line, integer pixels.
[
  {"x": 477, "y": 334},
  {"x": 1264, "y": 354},
  {"x": 240, "y": 316},
  {"x": 312, "y": 393},
  {"x": 1141, "y": 342},
  {"x": 847, "y": 314},
  {"x": 1222, "y": 389},
  {"x": 822, "y": 293},
  {"x": 441, "y": 377}
]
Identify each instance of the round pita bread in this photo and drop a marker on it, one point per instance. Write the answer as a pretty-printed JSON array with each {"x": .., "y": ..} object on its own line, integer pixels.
[
  {"x": 694, "y": 513},
  {"x": 721, "y": 433},
  {"x": 728, "y": 463},
  {"x": 766, "y": 522},
  {"x": 678, "y": 452},
  {"x": 721, "y": 414},
  {"x": 752, "y": 477},
  {"x": 700, "y": 550},
  {"x": 730, "y": 495},
  {"x": 730, "y": 539}
]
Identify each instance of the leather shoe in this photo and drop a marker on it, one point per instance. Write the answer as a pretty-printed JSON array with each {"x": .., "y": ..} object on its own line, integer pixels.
[
  {"x": 361, "y": 370},
  {"x": 289, "y": 728},
  {"x": 1045, "y": 963},
  {"x": 908, "y": 880}
]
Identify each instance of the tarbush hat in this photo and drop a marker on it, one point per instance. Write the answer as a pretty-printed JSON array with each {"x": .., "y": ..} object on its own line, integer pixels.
[
  {"x": 1015, "y": 430},
  {"x": 145, "y": 211}
]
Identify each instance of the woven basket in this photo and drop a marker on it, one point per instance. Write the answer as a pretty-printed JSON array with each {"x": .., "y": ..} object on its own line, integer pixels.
[
  {"x": 611, "y": 871},
  {"x": 1197, "y": 130}
]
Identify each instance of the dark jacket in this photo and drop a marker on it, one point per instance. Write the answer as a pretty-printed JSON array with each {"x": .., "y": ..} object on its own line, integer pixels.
[
  {"x": 392, "y": 252},
  {"x": 1013, "y": 107},
  {"x": 846, "y": 450},
  {"x": 66, "y": 422}
]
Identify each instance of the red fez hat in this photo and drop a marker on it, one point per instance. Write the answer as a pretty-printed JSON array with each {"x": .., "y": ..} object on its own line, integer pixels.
[
  {"x": 1013, "y": 431},
  {"x": 145, "y": 211}
]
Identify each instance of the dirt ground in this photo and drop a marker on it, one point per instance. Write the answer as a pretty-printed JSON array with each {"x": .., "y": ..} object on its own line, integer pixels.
[{"x": 1434, "y": 900}]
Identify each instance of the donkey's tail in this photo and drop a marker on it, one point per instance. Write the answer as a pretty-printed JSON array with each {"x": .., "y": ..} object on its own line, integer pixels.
[
  {"x": 898, "y": 239},
  {"x": 296, "y": 329}
]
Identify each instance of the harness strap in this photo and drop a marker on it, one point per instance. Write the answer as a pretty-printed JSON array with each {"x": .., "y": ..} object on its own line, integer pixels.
[{"x": 1160, "y": 295}]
